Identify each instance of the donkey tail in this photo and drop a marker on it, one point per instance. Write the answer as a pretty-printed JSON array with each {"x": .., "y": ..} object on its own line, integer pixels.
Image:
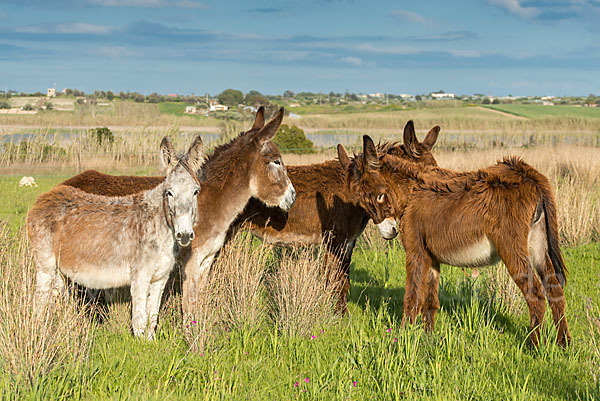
[{"x": 549, "y": 205}]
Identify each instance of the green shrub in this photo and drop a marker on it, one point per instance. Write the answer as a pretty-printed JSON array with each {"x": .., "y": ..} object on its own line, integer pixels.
[
  {"x": 102, "y": 135},
  {"x": 4, "y": 105},
  {"x": 292, "y": 140},
  {"x": 28, "y": 107}
]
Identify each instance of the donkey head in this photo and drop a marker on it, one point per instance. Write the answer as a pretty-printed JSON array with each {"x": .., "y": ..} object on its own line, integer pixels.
[
  {"x": 366, "y": 181},
  {"x": 376, "y": 187},
  {"x": 412, "y": 149},
  {"x": 181, "y": 188},
  {"x": 269, "y": 181}
]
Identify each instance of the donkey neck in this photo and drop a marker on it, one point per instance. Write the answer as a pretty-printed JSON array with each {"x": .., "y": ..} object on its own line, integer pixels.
[{"x": 224, "y": 193}]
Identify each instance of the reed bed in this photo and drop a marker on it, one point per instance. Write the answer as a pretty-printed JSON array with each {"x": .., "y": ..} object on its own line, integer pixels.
[{"x": 31, "y": 349}]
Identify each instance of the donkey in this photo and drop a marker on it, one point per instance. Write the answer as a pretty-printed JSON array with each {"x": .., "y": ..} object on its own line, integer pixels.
[
  {"x": 324, "y": 210},
  {"x": 107, "y": 242},
  {"x": 249, "y": 166},
  {"x": 327, "y": 212},
  {"x": 471, "y": 219}
]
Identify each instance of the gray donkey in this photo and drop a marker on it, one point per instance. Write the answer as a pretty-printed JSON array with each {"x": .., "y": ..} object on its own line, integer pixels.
[{"x": 106, "y": 242}]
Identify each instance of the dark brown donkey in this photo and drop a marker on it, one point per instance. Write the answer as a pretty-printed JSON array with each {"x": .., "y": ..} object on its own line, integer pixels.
[
  {"x": 504, "y": 212},
  {"x": 325, "y": 211},
  {"x": 248, "y": 166}
]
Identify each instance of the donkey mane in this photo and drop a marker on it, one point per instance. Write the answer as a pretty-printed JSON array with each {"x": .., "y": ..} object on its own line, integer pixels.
[{"x": 437, "y": 179}]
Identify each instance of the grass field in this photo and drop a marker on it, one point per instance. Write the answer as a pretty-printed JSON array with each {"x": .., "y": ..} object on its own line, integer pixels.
[
  {"x": 540, "y": 111},
  {"x": 478, "y": 350}
]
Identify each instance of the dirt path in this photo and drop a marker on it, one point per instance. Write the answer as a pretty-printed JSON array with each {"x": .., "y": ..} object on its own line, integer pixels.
[{"x": 514, "y": 117}]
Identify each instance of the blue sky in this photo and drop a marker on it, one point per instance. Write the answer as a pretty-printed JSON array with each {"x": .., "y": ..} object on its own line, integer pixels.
[{"x": 538, "y": 47}]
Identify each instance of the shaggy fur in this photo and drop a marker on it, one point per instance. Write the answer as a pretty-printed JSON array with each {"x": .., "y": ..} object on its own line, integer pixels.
[
  {"x": 504, "y": 212},
  {"x": 107, "y": 242}
]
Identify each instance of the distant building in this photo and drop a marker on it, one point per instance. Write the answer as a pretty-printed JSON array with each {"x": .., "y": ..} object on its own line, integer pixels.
[
  {"x": 377, "y": 95},
  {"x": 294, "y": 104},
  {"x": 216, "y": 106},
  {"x": 51, "y": 92},
  {"x": 443, "y": 95},
  {"x": 405, "y": 96},
  {"x": 190, "y": 109}
]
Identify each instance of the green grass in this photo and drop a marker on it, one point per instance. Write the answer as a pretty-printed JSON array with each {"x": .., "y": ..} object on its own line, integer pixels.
[
  {"x": 172, "y": 108},
  {"x": 478, "y": 350},
  {"x": 540, "y": 111}
]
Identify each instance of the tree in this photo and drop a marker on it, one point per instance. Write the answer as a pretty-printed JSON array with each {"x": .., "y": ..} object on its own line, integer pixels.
[
  {"x": 496, "y": 101},
  {"x": 4, "y": 105},
  {"x": 231, "y": 97},
  {"x": 292, "y": 140},
  {"x": 110, "y": 95},
  {"x": 289, "y": 94}
]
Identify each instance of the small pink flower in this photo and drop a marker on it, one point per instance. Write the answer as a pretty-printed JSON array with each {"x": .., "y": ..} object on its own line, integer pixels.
[
  {"x": 202, "y": 355},
  {"x": 194, "y": 322},
  {"x": 225, "y": 328},
  {"x": 395, "y": 339},
  {"x": 321, "y": 331},
  {"x": 296, "y": 384},
  {"x": 354, "y": 383},
  {"x": 389, "y": 330},
  {"x": 306, "y": 380},
  {"x": 312, "y": 337}
]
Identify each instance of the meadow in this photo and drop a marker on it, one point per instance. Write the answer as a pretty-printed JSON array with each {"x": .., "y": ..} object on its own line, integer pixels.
[{"x": 267, "y": 330}]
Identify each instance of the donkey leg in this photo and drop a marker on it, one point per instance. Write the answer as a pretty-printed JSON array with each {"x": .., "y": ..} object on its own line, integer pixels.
[
  {"x": 556, "y": 298},
  {"x": 195, "y": 282},
  {"x": 139, "y": 297},
  {"x": 432, "y": 301},
  {"x": 418, "y": 265},
  {"x": 45, "y": 276},
  {"x": 153, "y": 303},
  {"x": 519, "y": 267},
  {"x": 337, "y": 262}
]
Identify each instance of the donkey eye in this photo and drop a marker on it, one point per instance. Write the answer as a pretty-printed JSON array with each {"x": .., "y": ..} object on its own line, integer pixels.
[
  {"x": 381, "y": 198},
  {"x": 169, "y": 193}
]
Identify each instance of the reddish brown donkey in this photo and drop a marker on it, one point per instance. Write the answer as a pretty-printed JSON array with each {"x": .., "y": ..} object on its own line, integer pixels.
[
  {"x": 504, "y": 212},
  {"x": 248, "y": 166}
]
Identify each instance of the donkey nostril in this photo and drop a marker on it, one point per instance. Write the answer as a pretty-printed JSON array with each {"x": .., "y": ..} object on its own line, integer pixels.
[
  {"x": 192, "y": 235},
  {"x": 178, "y": 235}
]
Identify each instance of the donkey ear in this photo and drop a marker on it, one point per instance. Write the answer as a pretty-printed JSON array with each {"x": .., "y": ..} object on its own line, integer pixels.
[
  {"x": 195, "y": 155},
  {"x": 268, "y": 132},
  {"x": 168, "y": 157},
  {"x": 431, "y": 137},
  {"x": 370, "y": 158},
  {"x": 259, "y": 120},
  {"x": 410, "y": 139},
  {"x": 343, "y": 156}
]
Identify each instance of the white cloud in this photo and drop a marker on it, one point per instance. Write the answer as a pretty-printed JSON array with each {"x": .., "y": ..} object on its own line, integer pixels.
[
  {"x": 413, "y": 17},
  {"x": 352, "y": 60},
  {"x": 387, "y": 49},
  {"x": 149, "y": 3},
  {"x": 464, "y": 53},
  {"x": 66, "y": 28},
  {"x": 515, "y": 7}
]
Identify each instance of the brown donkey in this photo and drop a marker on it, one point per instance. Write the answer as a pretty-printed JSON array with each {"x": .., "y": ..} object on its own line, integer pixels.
[
  {"x": 248, "y": 166},
  {"x": 106, "y": 242},
  {"x": 504, "y": 212}
]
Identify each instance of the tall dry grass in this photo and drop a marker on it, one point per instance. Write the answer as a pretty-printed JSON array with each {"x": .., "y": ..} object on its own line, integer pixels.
[
  {"x": 253, "y": 283},
  {"x": 304, "y": 290},
  {"x": 31, "y": 349}
]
